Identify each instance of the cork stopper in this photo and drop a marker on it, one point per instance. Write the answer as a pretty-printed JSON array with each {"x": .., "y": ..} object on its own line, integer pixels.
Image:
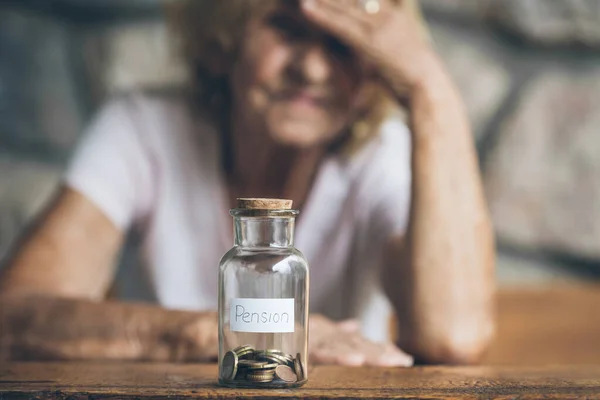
[{"x": 264, "y": 204}]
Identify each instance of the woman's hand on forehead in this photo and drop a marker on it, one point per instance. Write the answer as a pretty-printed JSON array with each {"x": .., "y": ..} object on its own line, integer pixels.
[{"x": 386, "y": 34}]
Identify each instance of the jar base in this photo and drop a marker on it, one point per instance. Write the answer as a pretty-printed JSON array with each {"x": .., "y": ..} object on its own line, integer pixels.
[{"x": 259, "y": 385}]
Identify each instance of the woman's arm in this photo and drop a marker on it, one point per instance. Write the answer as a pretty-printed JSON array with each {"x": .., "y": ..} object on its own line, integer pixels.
[
  {"x": 71, "y": 251},
  {"x": 440, "y": 277},
  {"x": 54, "y": 328},
  {"x": 52, "y": 285},
  {"x": 52, "y": 308}
]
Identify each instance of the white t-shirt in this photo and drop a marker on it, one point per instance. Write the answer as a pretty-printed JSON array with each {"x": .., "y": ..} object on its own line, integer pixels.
[{"x": 148, "y": 162}]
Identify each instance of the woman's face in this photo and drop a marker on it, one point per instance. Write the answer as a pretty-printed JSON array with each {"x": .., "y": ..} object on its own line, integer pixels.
[{"x": 293, "y": 81}]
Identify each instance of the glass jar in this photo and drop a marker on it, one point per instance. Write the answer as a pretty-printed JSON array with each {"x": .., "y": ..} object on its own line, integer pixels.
[{"x": 263, "y": 300}]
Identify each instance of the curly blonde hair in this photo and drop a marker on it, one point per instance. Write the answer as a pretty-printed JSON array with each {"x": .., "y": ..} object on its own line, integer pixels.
[{"x": 209, "y": 34}]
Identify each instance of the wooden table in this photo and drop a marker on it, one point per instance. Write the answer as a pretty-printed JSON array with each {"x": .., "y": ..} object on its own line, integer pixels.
[
  {"x": 547, "y": 325},
  {"x": 536, "y": 327},
  {"x": 128, "y": 381}
]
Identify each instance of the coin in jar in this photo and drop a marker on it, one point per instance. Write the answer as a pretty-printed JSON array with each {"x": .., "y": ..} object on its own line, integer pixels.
[
  {"x": 245, "y": 351},
  {"x": 229, "y": 365},
  {"x": 298, "y": 367},
  {"x": 260, "y": 377},
  {"x": 280, "y": 356},
  {"x": 242, "y": 348},
  {"x": 289, "y": 360},
  {"x": 273, "y": 351},
  {"x": 251, "y": 364},
  {"x": 265, "y": 367},
  {"x": 241, "y": 374},
  {"x": 286, "y": 374},
  {"x": 274, "y": 358}
]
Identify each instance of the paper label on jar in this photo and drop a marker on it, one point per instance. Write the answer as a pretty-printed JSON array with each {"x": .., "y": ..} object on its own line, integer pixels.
[{"x": 261, "y": 315}]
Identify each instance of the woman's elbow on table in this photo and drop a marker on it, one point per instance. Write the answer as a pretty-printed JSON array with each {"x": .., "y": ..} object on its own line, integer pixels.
[{"x": 458, "y": 345}]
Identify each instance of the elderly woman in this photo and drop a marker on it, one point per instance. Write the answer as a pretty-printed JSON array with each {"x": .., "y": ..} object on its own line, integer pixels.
[{"x": 291, "y": 99}]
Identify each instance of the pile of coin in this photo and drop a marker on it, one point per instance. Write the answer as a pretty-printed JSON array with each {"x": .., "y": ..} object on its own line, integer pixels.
[{"x": 244, "y": 363}]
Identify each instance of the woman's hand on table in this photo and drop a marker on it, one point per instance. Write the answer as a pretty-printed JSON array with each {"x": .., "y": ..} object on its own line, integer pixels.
[
  {"x": 341, "y": 343},
  {"x": 196, "y": 338},
  {"x": 330, "y": 342}
]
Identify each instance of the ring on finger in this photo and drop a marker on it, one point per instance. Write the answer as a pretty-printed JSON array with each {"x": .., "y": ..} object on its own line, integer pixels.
[{"x": 370, "y": 6}]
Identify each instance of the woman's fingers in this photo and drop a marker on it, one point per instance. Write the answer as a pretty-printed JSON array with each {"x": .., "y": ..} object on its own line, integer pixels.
[
  {"x": 346, "y": 25},
  {"x": 391, "y": 356},
  {"x": 384, "y": 355},
  {"x": 351, "y": 349},
  {"x": 323, "y": 357},
  {"x": 351, "y": 359},
  {"x": 338, "y": 352},
  {"x": 341, "y": 343},
  {"x": 352, "y": 24},
  {"x": 350, "y": 326},
  {"x": 348, "y": 8}
]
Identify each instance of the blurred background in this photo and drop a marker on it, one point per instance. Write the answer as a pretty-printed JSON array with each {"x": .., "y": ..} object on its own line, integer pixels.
[{"x": 529, "y": 71}]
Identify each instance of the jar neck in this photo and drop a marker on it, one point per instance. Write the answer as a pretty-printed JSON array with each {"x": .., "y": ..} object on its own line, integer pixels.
[{"x": 264, "y": 231}]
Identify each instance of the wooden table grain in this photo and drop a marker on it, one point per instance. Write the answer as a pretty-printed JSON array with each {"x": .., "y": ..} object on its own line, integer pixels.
[
  {"x": 537, "y": 327},
  {"x": 547, "y": 325},
  {"x": 157, "y": 381}
]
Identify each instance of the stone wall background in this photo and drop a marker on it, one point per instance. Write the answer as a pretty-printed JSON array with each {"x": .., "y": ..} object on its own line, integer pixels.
[{"x": 529, "y": 71}]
